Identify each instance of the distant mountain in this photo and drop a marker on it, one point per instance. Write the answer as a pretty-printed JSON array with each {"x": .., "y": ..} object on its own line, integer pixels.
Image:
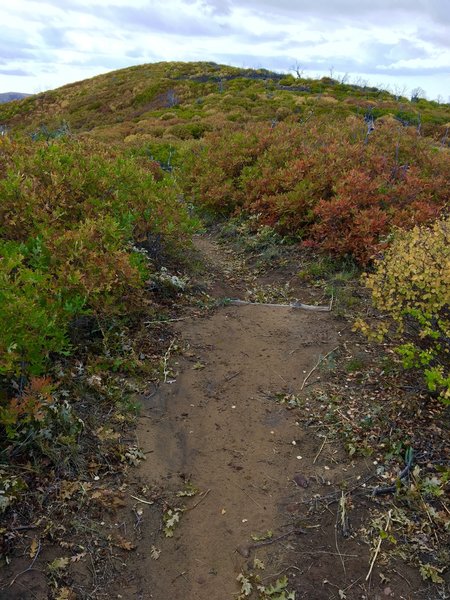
[{"x": 9, "y": 96}]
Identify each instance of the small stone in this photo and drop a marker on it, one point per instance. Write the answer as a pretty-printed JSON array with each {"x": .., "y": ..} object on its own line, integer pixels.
[
  {"x": 301, "y": 480},
  {"x": 243, "y": 551}
]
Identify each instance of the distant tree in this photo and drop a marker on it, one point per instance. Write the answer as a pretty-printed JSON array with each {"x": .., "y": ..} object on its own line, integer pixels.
[
  {"x": 360, "y": 82},
  {"x": 399, "y": 91},
  {"x": 298, "y": 71},
  {"x": 417, "y": 94}
]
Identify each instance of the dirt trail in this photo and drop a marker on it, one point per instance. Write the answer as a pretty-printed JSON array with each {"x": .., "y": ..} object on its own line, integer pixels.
[{"x": 218, "y": 425}]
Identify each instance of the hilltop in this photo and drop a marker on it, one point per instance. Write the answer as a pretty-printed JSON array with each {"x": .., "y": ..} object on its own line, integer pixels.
[
  {"x": 10, "y": 96},
  {"x": 178, "y": 100}
]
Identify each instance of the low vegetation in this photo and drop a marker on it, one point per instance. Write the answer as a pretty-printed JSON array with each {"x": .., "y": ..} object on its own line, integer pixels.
[
  {"x": 101, "y": 183},
  {"x": 328, "y": 184},
  {"x": 411, "y": 284},
  {"x": 79, "y": 226}
]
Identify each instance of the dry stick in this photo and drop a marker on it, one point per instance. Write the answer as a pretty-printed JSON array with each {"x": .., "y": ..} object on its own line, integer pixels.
[
  {"x": 377, "y": 550},
  {"x": 403, "y": 577},
  {"x": 237, "y": 302},
  {"x": 230, "y": 377},
  {"x": 313, "y": 552},
  {"x": 141, "y": 500},
  {"x": 166, "y": 360},
  {"x": 159, "y": 321},
  {"x": 277, "y": 539},
  {"x": 28, "y": 568},
  {"x": 331, "y": 301},
  {"x": 252, "y": 499},
  {"x": 340, "y": 508},
  {"x": 180, "y": 575},
  {"x": 201, "y": 500},
  {"x": 321, "y": 359},
  {"x": 320, "y": 450}
]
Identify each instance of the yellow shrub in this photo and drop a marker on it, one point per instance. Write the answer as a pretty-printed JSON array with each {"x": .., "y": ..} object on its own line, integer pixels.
[{"x": 411, "y": 283}]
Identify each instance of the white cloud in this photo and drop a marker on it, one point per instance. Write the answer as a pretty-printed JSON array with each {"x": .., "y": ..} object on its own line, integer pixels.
[{"x": 46, "y": 43}]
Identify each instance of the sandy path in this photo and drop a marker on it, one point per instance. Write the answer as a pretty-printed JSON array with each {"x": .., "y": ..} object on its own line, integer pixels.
[{"x": 218, "y": 425}]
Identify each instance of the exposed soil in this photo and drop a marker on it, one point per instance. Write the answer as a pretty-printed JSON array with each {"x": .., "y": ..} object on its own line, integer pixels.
[
  {"x": 270, "y": 483},
  {"x": 218, "y": 425}
]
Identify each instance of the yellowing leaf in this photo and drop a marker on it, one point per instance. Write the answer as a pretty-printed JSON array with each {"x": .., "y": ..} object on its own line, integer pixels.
[
  {"x": 66, "y": 594},
  {"x": 59, "y": 564},
  {"x": 34, "y": 547}
]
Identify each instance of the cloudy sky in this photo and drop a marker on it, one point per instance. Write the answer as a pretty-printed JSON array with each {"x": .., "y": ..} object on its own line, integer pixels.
[{"x": 403, "y": 44}]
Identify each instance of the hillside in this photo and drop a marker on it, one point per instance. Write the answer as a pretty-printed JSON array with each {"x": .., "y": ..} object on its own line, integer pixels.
[
  {"x": 224, "y": 336},
  {"x": 183, "y": 100}
]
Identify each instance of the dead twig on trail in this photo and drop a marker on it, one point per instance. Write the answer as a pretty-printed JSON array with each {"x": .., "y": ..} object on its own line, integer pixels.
[
  {"x": 141, "y": 500},
  {"x": 320, "y": 450},
  {"x": 230, "y": 377},
  {"x": 245, "y": 550},
  {"x": 30, "y": 568},
  {"x": 162, "y": 321},
  {"x": 180, "y": 575},
  {"x": 313, "y": 307},
  {"x": 321, "y": 359},
  {"x": 377, "y": 549},
  {"x": 277, "y": 539},
  {"x": 166, "y": 357},
  {"x": 340, "y": 518},
  {"x": 251, "y": 498},
  {"x": 201, "y": 500},
  {"x": 342, "y": 515}
]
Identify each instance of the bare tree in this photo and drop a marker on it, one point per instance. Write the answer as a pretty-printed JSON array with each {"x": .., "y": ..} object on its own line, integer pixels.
[
  {"x": 417, "y": 94},
  {"x": 298, "y": 70},
  {"x": 399, "y": 91}
]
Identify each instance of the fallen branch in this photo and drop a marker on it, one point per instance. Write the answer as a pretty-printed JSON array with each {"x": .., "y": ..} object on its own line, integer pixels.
[
  {"x": 237, "y": 302},
  {"x": 321, "y": 359},
  {"x": 390, "y": 489}
]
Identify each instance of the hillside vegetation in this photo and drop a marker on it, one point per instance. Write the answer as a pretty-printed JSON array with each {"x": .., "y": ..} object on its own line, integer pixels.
[{"x": 102, "y": 183}]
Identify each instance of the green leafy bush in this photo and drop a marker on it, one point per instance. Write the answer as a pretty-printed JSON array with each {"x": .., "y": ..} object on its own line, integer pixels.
[{"x": 70, "y": 213}]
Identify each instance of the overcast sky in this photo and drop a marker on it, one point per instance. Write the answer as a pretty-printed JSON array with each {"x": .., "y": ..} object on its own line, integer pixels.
[{"x": 401, "y": 43}]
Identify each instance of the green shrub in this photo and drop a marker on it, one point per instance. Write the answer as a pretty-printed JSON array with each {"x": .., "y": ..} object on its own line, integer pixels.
[{"x": 69, "y": 215}]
